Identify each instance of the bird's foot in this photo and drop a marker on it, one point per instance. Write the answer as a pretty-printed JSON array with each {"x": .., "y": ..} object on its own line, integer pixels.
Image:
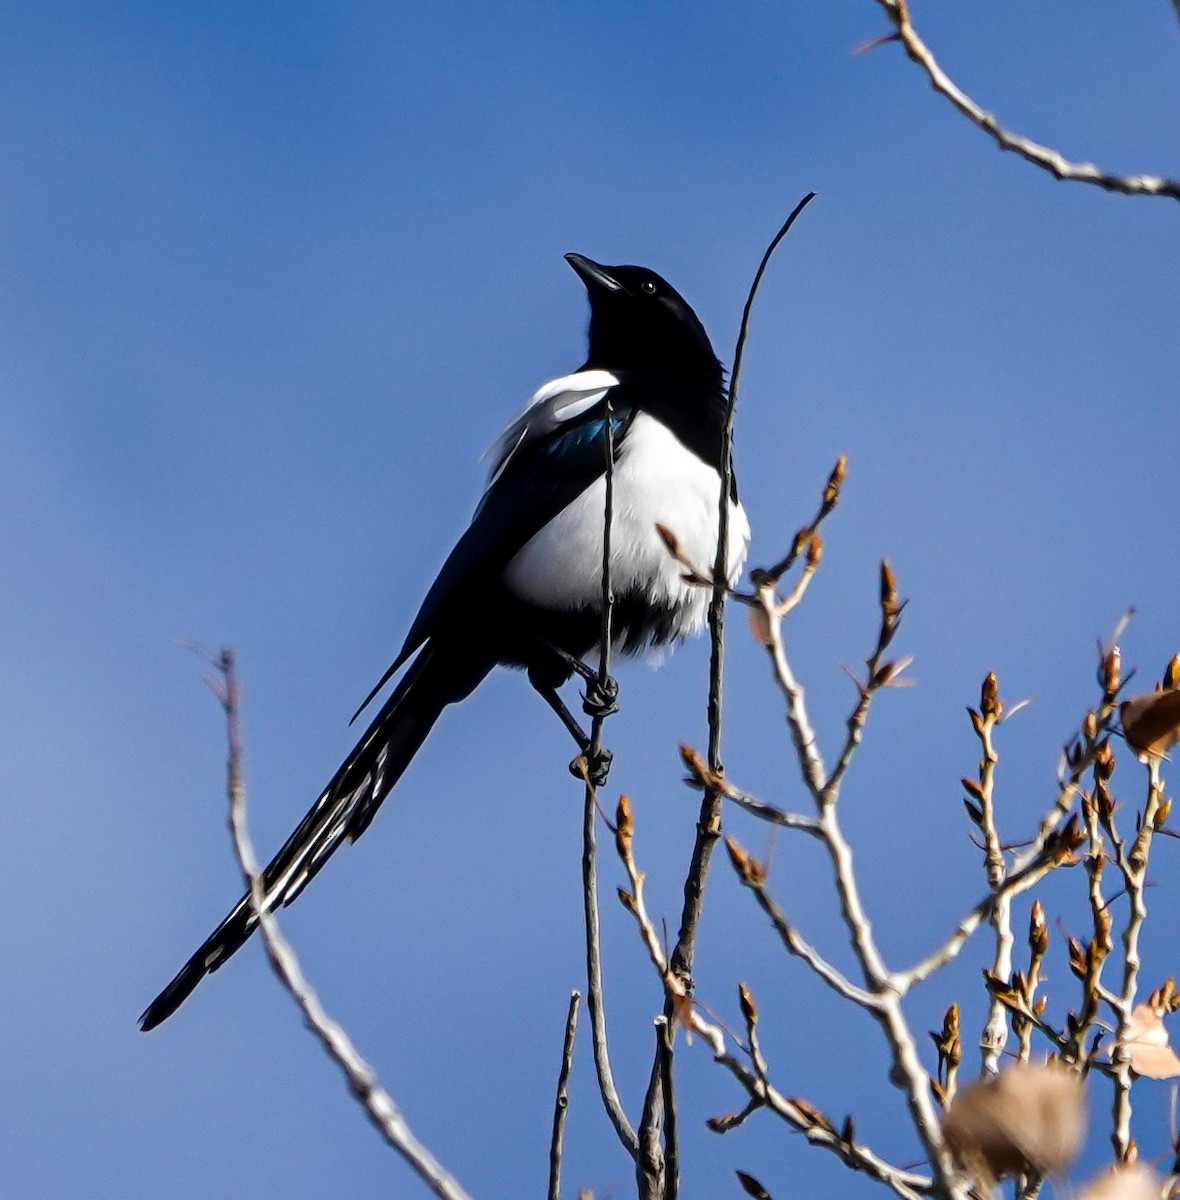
[
  {"x": 594, "y": 767},
  {"x": 601, "y": 697}
]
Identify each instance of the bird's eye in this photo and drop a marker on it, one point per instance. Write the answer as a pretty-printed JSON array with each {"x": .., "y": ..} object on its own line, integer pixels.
[{"x": 649, "y": 287}]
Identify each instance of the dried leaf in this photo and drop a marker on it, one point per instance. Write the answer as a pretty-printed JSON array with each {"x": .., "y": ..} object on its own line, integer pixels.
[
  {"x": 1028, "y": 1119},
  {"x": 1147, "y": 1045},
  {"x": 1134, "y": 1182},
  {"x": 1151, "y": 723}
]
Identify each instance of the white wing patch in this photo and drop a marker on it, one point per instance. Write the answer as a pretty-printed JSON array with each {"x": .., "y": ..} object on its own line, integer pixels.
[
  {"x": 656, "y": 479},
  {"x": 552, "y": 404}
]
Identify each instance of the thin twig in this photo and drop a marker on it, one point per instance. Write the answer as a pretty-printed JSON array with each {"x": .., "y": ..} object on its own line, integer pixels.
[
  {"x": 561, "y": 1103},
  {"x": 994, "y": 1038},
  {"x": 594, "y": 991},
  {"x": 709, "y": 819},
  {"x": 668, "y": 1084},
  {"x": 802, "y": 1117},
  {"x": 699, "y": 775},
  {"x": 708, "y": 826},
  {"x": 752, "y": 874},
  {"x": 1133, "y": 866},
  {"x": 907, "y": 1072},
  {"x": 1016, "y": 882},
  {"x": 1044, "y": 157},
  {"x": 362, "y": 1082}
]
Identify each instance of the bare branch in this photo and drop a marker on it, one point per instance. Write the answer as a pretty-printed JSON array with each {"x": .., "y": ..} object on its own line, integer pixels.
[
  {"x": 1013, "y": 884},
  {"x": 699, "y": 775},
  {"x": 362, "y": 1082},
  {"x": 1040, "y": 156},
  {"x": 708, "y": 826},
  {"x": 753, "y": 876},
  {"x": 806, "y": 1119},
  {"x": 1134, "y": 871},
  {"x": 561, "y": 1103},
  {"x": 594, "y": 991}
]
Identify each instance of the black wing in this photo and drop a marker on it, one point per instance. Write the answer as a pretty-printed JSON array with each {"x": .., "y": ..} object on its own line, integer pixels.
[{"x": 534, "y": 479}]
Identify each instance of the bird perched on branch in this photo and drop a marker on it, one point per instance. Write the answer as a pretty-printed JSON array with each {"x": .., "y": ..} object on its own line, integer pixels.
[{"x": 530, "y": 563}]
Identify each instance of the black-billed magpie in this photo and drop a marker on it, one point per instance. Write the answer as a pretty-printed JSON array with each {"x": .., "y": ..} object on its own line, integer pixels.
[{"x": 523, "y": 585}]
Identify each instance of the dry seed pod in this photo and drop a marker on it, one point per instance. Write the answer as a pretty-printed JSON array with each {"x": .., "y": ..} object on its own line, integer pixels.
[
  {"x": 1147, "y": 1045},
  {"x": 1134, "y": 1182},
  {"x": 1029, "y": 1119},
  {"x": 1151, "y": 723}
]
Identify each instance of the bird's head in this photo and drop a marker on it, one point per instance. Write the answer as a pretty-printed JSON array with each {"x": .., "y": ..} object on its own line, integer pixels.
[{"x": 639, "y": 321}]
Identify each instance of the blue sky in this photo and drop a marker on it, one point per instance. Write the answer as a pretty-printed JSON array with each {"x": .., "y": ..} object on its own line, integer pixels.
[{"x": 273, "y": 277}]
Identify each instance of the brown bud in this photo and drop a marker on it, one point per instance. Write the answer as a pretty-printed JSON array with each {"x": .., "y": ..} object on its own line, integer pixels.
[
  {"x": 1038, "y": 930},
  {"x": 1112, "y": 670},
  {"x": 624, "y": 821},
  {"x": 1104, "y": 761},
  {"x": 976, "y": 722},
  {"x": 815, "y": 551},
  {"x": 626, "y": 899},
  {"x": 1168, "y": 995},
  {"x": 624, "y": 828},
  {"x": 1103, "y": 801},
  {"x": 1077, "y": 958},
  {"x": 972, "y": 788},
  {"x": 1090, "y": 726},
  {"x": 751, "y": 1186},
  {"x": 835, "y": 480},
  {"x": 749, "y": 1011},
  {"x": 889, "y": 602},
  {"x": 1172, "y": 674},
  {"x": 990, "y": 704},
  {"x": 812, "y": 1114},
  {"x": 950, "y": 1022},
  {"x": 750, "y": 869},
  {"x": 1163, "y": 812},
  {"x": 697, "y": 768}
]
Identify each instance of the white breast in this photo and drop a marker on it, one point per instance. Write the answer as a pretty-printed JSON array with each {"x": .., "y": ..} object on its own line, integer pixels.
[{"x": 656, "y": 480}]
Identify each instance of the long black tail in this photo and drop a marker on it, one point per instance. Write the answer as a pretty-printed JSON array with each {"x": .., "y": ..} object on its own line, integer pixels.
[{"x": 344, "y": 809}]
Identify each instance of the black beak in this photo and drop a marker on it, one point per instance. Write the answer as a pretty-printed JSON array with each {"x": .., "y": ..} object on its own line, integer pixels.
[{"x": 594, "y": 276}]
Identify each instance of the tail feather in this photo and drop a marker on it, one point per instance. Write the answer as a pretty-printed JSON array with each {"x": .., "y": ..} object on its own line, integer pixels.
[{"x": 343, "y": 811}]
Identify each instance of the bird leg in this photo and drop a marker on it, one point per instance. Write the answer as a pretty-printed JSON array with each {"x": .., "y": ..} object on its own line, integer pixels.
[
  {"x": 601, "y": 697},
  {"x": 598, "y": 765}
]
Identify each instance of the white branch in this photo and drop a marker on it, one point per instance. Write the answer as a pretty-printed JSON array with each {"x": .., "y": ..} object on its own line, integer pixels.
[
  {"x": 362, "y": 1081},
  {"x": 1044, "y": 157}
]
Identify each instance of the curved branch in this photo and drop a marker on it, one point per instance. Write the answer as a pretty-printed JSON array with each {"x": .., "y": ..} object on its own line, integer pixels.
[
  {"x": 1044, "y": 157},
  {"x": 362, "y": 1081}
]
